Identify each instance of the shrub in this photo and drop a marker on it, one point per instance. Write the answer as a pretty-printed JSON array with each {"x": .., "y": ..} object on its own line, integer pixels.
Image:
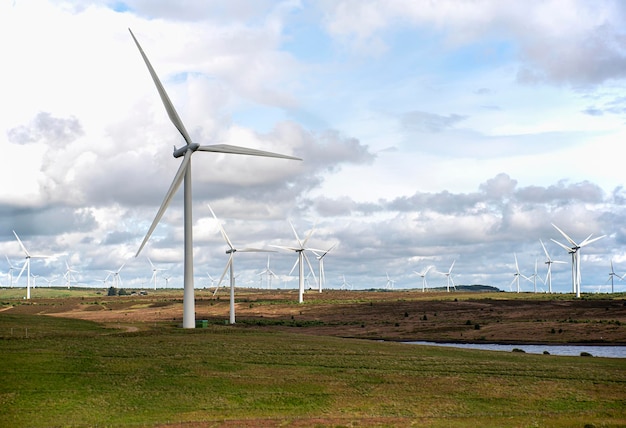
[
  {"x": 585, "y": 354},
  {"x": 476, "y": 326},
  {"x": 518, "y": 350}
]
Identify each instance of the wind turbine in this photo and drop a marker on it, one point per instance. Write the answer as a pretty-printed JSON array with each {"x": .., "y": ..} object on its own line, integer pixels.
[
  {"x": 448, "y": 276},
  {"x": 154, "y": 273},
  {"x": 167, "y": 280},
  {"x": 26, "y": 265},
  {"x": 516, "y": 275},
  {"x": 549, "y": 262},
  {"x": 116, "y": 275},
  {"x": 423, "y": 275},
  {"x": 184, "y": 174},
  {"x": 68, "y": 275},
  {"x": 611, "y": 275},
  {"x": 390, "y": 283},
  {"x": 11, "y": 269},
  {"x": 345, "y": 284},
  {"x": 230, "y": 265},
  {"x": 320, "y": 258},
  {"x": 270, "y": 274},
  {"x": 574, "y": 250},
  {"x": 300, "y": 249}
]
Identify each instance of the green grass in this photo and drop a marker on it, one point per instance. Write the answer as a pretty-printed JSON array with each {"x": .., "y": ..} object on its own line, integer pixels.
[{"x": 62, "y": 372}]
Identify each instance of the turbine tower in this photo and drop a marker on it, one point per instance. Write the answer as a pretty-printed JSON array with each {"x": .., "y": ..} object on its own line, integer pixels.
[
  {"x": 516, "y": 275},
  {"x": 230, "y": 265},
  {"x": 574, "y": 250},
  {"x": 26, "y": 265},
  {"x": 184, "y": 174}
]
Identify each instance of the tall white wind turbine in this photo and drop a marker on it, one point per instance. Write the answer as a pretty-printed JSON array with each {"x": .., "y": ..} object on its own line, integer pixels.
[
  {"x": 26, "y": 265},
  {"x": 300, "y": 249},
  {"x": 184, "y": 174},
  {"x": 574, "y": 250},
  {"x": 549, "y": 262},
  {"x": 230, "y": 264},
  {"x": 423, "y": 276},
  {"x": 321, "y": 277}
]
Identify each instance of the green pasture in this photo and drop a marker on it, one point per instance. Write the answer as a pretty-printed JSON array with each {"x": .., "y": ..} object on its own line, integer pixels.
[{"x": 62, "y": 372}]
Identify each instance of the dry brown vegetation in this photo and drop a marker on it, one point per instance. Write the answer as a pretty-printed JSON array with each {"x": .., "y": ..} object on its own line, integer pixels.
[{"x": 389, "y": 315}]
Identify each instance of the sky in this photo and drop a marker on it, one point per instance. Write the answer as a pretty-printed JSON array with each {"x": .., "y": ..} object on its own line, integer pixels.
[{"x": 430, "y": 133}]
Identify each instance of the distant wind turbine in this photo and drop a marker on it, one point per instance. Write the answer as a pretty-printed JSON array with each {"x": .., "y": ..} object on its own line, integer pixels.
[
  {"x": 321, "y": 280},
  {"x": 230, "y": 264},
  {"x": 300, "y": 249},
  {"x": 574, "y": 250},
  {"x": 155, "y": 270},
  {"x": 390, "y": 283},
  {"x": 26, "y": 265},
  {"x": 516, "y": 275},
  {"x": 184, "y": 174},
  {"x": 69, "y": 275},
  {"x": 549, "y": 262},
  {"x": 423, "y": 275},
  {"x": 116, "y": 275},
  {"x": 612, "y": 274},
  {"x": 270, "y": 274},
  {"x": 449, "y": 278},
  {"x": 11, "y": 269}
]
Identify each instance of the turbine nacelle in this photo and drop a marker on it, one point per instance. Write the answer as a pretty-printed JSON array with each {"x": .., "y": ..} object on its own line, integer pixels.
[{"x": 180, "y": 152}]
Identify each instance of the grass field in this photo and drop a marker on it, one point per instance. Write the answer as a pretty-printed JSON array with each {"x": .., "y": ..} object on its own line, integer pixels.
[{"x": 67, "y": 372}]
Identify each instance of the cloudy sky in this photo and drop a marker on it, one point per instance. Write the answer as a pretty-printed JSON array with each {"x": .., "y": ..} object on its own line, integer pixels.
[{"x": 430, "y": 132}]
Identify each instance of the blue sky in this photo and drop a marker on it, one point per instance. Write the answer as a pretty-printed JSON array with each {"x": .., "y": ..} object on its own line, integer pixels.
[{"x": 429, "y": 132}]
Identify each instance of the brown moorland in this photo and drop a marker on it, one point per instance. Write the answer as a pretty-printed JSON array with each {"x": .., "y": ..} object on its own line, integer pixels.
[{"x": 383, "y": 315}]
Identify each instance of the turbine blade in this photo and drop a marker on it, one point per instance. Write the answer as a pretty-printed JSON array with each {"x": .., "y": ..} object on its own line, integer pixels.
[
  {"x": 222, "y": 231},
  {"x": 310, "y": 267},
  {"x": 568, "y": 249},
  {"x": 169, "y": 107},
  {"x": 178, "y": 178},
  {"x": 294, "y": 265},
  {"x": 308, "y": 235},
  {"x": 230, "y": 261},
  {"x": 589, "y": 241},
  {"x": 22, "y": 271},
  {"x": 236, "y": 150},
  {"x": 21, "y": 245},
  {"x": 296, "y": 235},
  {"x": 570, "y": 240}
]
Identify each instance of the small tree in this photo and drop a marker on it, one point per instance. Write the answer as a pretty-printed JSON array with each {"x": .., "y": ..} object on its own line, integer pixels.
[{"x": 112, "y": 291}]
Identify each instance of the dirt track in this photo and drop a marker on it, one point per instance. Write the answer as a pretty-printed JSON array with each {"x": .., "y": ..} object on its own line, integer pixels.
[{"x": 398, "y": 315}]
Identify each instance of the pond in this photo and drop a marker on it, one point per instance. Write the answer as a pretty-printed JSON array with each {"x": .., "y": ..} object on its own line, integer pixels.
[{"x": 607, "y": 351}]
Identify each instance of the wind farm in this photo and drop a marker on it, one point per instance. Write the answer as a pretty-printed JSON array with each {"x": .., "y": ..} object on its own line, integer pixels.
[{"x": 414, "y": 179}]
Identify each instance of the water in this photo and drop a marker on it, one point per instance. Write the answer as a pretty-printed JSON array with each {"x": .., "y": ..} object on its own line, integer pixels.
[{"x": 568, "y": 350}]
